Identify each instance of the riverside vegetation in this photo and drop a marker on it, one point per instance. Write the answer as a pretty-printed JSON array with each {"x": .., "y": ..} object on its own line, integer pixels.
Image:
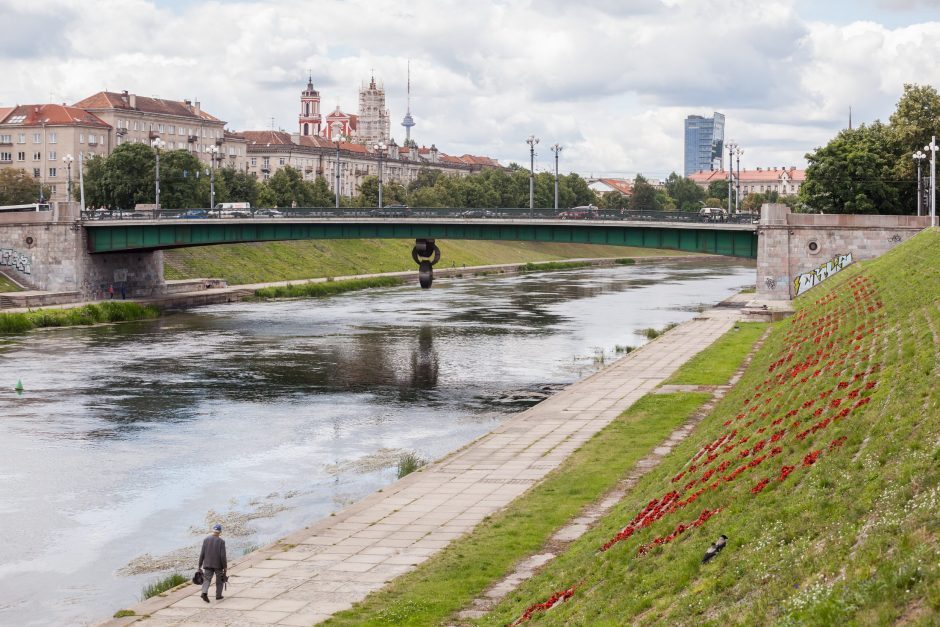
[
  {"x": 821, "y": 465},
  {"x": 108, "y": 311}
]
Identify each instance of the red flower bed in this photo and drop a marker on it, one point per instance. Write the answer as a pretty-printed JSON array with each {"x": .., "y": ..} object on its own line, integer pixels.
[{"x": 558, "y": 597}]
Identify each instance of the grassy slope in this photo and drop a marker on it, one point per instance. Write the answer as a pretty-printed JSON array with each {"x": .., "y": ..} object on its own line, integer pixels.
[
  {"x": 7, "y": 286},
  {"x": 849, "y": 538},
  {"x": 281, "y": 261},
  {"x": 722, "y": 359},
  {"x": 465, "y": 568}
]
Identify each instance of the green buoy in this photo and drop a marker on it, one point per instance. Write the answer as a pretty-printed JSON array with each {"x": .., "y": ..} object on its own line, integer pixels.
[{"x": 19, "y": 386}]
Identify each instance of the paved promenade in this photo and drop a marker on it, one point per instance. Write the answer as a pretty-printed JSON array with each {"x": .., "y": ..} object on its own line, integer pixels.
[{"x": 325, "y": 568}]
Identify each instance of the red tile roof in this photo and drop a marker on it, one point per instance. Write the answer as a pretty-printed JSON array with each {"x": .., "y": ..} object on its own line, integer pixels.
[
  {"x": 53, "y": 115},
  {"x": 764, "y": 175},
  {"x": 273, "y": 138},
  {"x": 620, "y": 185},
  {"x": 112, "y": 100},
  {"x": 4, "y": 111}
]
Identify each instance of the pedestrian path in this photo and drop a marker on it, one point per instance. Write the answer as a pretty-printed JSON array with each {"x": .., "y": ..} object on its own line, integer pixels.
[{"x": 306, "y": 577}]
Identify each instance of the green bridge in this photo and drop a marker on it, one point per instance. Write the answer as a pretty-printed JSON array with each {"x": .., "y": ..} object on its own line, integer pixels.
[{"x": 116, "y": 236}]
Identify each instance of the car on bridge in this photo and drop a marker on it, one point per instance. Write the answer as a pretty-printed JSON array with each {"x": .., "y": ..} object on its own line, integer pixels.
[
  {"x": 194, "y": 214},
  {"x": 391, "y": 211},
  {"x": 478, "y": 213},
  {"x": 585, "y": 212}
]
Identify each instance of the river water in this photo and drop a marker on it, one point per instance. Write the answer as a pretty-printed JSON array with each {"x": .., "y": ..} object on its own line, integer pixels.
[{"x": 131, "y": 439}]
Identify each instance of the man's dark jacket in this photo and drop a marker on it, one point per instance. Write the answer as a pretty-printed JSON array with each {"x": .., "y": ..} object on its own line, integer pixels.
[{"x": 213, "y": 553}]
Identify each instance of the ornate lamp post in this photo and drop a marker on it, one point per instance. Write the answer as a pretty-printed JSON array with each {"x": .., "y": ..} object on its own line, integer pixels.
[
  {"x": 532, "y": 141},
  {"x": 919, "y": 156},
  {"x": 932, "y": 149},
  {"x": 556, "y": 149},
  {"x": 737, "y": 193},
  {"x": 380, "y": 149},
  {"x": 67, "y": 160},
  {"x": 213, "y": 153},
  {"x": 731, "y": 148},
  {"x": 158, "y": 145}
]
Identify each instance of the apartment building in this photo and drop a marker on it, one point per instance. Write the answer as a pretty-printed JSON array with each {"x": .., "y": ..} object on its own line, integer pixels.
[
  {"x": 47, "y": 140},
  {"x": 783, "y": 180}
]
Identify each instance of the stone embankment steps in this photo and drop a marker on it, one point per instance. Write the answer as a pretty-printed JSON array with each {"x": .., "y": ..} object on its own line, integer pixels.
[{"x": 309, "y": 575}]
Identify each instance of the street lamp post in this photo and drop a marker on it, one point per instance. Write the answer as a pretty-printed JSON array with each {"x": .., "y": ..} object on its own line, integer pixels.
[
  {"x": 737, "y": 194},
  {"x": 731, "y": 148},
  {"x": 67, "y": 160},
  {"x": 919, "y": 156},
  {"x": 213, "y": 153},
  {"x": 556, "y": 149},
  {"x": 380, "y": 151},
  {"x": 158, "y": 144},
  {"x": 932, "y": 148},
  {"x": 532, "y": 141},
  {"x": 336, "y": 189}
]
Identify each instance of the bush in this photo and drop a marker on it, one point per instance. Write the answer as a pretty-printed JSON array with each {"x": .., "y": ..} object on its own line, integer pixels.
[
  {"x": 162, "y": 585},
  {"x": 408, "y": 463},
  {"x": 554, "y": 265},
  {"x": 327, "y": 288},
  {"x": 123, "y": 613},
  {"x": 626, "y": 261},
  {"x": 76, "y": 316}
]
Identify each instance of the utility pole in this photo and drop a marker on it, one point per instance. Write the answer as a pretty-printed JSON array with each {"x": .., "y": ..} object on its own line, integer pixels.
[
  {"x": 556, "y": 149},
  {"x": 337, "y": 174},
  {"x": 737, "y": 197},
  {"x": 157, "y": 145},
  {"x": 731, "y": 147},
  {"x": 918, "y": 157},
  {"x": 532, "y": 141},
  {"x": 932, "y": 147}
]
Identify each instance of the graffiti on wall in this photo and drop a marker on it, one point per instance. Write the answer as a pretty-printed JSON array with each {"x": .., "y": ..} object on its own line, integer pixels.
[
  {"x": 15, "y": 259},
  {"x": 813, "y": 278}
]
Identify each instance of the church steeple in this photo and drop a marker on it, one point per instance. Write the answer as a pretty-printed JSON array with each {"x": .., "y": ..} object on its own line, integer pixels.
[{"x": 309, "y": 118}]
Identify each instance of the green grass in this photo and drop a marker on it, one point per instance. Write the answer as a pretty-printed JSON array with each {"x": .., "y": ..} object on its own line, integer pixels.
[
  {"x": 715, "y": 366},
  {"x": 453, "y": 577},
  {"x": 162, "y": 585},
  {"x": 6, "y": 285},
  {"x": 651, "y": 333},
  {"x": 286, "y": 261},
  {"x": 552, "y": 266},
  {"x": 123, "y": 613},
  {"x": 107, "y": 311},
  {"x": 327, "y": 288},
  {"x": 851, "y": 537},
  {"x": 409, "y": 463}
]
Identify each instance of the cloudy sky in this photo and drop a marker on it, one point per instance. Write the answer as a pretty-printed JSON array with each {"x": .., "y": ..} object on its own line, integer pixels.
[{"x": 609, "y": 80}]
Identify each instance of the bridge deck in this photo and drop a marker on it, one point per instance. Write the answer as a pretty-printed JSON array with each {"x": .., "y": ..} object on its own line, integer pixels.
[{"x": 737, "y": 240}]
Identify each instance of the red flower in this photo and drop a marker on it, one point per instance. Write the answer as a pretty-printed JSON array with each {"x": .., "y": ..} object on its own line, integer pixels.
[
  {"x": 785, "y": 472},
  {"x": 760, "y": 485},
  {"x": 811, "y": 458}
]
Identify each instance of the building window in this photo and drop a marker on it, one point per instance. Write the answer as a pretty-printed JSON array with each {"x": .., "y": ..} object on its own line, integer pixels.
[
  {"x": 6, "y": 139},
  {"x": 35, "y": 173},
  {"x": 161, "y": 127},
  {"x": 37, "y": 138},
  {"x": 181, "y": 131},
  {"x": 171, "y": 129},
  {"x": 281, "y": 161},
  {"x": 21, "y": 156},
  {"x": 37, "y": 156},
  {"x": 52, "y": 138},
  {"x": 52, "y": 173},
  {"x": 92, "y": 139},
  {"x": 254, "y": 161},
  {"x": 52, "y": 155},
  {"x": 22, "y": 138},
  {"x": 135, "y": 125},
  {"x": 6, "y": 156},
  {"x": 81, "y": 138}
]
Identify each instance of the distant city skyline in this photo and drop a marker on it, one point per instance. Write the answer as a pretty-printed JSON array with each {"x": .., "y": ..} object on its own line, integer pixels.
[{"x": 612, "y": 82}]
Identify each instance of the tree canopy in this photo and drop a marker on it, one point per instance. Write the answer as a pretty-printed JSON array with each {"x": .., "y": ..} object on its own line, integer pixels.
[{"x": 19, "y": 187}]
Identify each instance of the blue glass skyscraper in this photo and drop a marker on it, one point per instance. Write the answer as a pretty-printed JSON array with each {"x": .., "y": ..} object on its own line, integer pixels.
[{"x": 704, "y": 143}]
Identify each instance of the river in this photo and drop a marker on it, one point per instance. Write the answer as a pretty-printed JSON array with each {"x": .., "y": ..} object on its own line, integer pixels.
[{"x": 130, "y": 440}]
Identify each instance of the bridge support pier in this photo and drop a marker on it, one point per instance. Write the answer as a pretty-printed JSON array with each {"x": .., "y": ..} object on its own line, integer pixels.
[{"x": 52, "y": 256}]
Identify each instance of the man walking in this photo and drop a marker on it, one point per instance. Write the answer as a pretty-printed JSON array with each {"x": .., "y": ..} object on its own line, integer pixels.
[{"x": 212, "y": 560}]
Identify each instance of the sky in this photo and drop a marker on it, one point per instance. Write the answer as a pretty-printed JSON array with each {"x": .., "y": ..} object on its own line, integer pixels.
[{"x": 610, "y": 81}]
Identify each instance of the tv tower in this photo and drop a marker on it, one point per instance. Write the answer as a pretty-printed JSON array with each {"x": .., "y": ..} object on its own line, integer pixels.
[{"x": 408, "y": 121}]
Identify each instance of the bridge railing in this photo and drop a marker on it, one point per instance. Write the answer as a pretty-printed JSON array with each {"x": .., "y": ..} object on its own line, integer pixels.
[{"x": 503, "y": 213}]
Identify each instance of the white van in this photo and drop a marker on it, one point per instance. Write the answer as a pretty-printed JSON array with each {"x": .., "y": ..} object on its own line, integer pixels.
[{"x": 712, "y": 214}]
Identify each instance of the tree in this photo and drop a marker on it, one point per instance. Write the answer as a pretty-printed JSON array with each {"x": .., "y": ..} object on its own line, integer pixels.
[
  {"x": 98, "y": 191},
  {"x": 583, "y": 195},
  {"x": 320, "y": 194},
  {"x": 854, "y": 173},
  {"x": 287, "y": 184},
  {"x": 240, "y": 186},
  {"x": 644, "y": 196},
  {"x": 613, "y": 200},
  {"x": 130, "y": 175},
  {"x": 718, "y": 189},
  {"x": 686, "y": 194},
  {"x": 19, "y": 187},
  {"x": 180, "y": 174},
  {"x": 426, "y": 178}
]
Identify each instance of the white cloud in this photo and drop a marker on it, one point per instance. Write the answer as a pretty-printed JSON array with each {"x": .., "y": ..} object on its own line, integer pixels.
[{"x": 611, "y": 81}]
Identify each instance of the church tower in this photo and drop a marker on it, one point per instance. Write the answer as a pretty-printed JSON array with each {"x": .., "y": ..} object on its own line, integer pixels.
[
  {"x": 373, "y": 116},
  {"x": 310, "y": 110}
]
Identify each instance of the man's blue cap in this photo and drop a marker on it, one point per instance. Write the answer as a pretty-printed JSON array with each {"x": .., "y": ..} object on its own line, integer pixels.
[{"x": 216, "y": 527}]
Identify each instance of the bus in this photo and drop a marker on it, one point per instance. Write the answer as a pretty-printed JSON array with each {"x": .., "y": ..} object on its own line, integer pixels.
[{"x": 38, "y": 206}]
